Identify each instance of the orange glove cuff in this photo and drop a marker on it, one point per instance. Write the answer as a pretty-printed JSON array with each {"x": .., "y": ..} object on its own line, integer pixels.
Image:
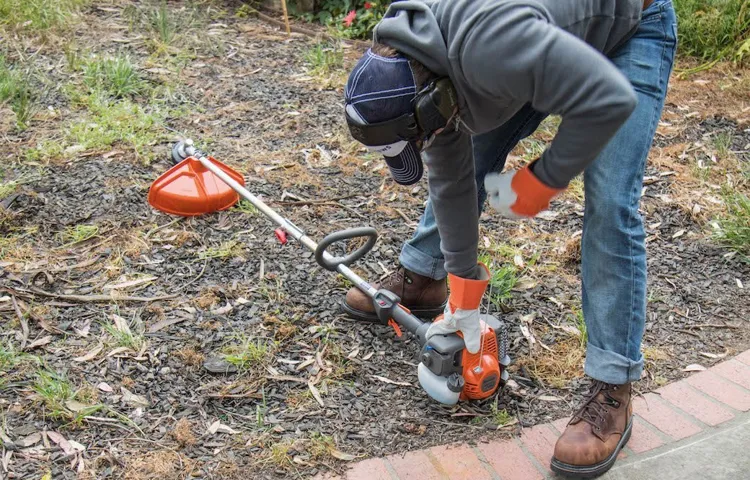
[
  {"x": 532, "y": 196},
  {"x": 467, "y": 293}
]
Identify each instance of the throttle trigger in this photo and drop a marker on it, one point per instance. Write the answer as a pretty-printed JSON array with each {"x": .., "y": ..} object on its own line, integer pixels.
[{"x": 395, "y": 326}]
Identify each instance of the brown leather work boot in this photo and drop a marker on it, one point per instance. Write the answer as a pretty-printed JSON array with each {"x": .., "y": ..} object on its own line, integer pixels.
[
  {"x": 424, "y": 296},
  {"x": 596, "y": 433}
]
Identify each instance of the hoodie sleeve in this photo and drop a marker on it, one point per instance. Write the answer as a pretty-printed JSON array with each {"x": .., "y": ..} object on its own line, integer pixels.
[{"x": 517, "y": 54}]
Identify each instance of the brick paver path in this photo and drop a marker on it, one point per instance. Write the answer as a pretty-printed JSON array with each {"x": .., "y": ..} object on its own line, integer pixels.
[{"x": 700, "y": 402}]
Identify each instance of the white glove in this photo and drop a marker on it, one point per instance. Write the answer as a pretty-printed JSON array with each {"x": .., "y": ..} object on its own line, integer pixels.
[
  {"x": 467, "y": 321},
  {"x": 500, "y": 194},
  {"x": 518, "y": 194}
]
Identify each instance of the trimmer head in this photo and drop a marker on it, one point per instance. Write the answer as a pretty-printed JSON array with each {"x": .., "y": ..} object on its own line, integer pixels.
[{"x": 189, "y": 189}]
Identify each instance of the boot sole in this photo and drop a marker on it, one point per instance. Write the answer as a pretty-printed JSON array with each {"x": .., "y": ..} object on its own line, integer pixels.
[
  {"x": 371, "y": 317},
  {"x": 592, "y": 471}
]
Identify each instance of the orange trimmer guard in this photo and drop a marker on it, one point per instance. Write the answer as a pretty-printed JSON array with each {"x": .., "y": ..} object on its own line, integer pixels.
[{"x": 189, "y": 189}]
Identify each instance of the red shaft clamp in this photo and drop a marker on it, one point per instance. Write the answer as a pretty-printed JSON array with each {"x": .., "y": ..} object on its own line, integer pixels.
[{"x": 280, "y": 235}]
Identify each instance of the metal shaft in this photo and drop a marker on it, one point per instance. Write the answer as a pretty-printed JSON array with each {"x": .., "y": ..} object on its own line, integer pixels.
[{"x": 295, "y": 231}]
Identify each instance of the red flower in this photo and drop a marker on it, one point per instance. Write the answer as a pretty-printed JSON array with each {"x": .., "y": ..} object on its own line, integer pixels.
[
  {"x": 368, "y": 5},
  {"x": 350, "y": 18}
]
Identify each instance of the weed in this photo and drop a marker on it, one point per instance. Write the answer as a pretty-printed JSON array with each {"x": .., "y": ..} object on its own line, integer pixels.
[
  {"x": 8, "y": 188},
  {"x": 79, "y": 233},
  {"x": 502, "y": 279},
  {"x": 320, "y": 445},
  {"x": 55, "y": 390},
  {"x": 127, "y": 338},
  {"x": 244, "y": 206},
  {"x": 163, "y": 26},
  {"x": 580, "y": 323},
  {"x": 15, "y": 90},
  {"x": 231, "y": 248},
  {"x": 325, "y": 58},
  {"x": 734, "y": 225},
  {"x": 576, "y": 188},
  {"x": 532, "y": 148},
  {"x": 713, "y": 29},
  {"x": 116, "y": 76},
  {"x": 499, "y": 417},
  {"x": 279, "y": 455},
  {"x": 250, "y": 354},
  {"x": 655, "y": 354},
  {"x": 722, "y": 143},
  {"x": 556, "y": 367},
  {"x": 13, "y": 363},
  {"x": 39, "y": 14}
]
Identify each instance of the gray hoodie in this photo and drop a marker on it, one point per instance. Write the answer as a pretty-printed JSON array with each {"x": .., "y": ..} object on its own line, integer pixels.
[{"x": 502, "y": 55}]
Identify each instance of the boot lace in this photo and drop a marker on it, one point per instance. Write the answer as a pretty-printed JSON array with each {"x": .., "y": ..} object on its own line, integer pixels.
[
  {"x": 395, "y": 278},
  {"x": 594, "y": 409}
]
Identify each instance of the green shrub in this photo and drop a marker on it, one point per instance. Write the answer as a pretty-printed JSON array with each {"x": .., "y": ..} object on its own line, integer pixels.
[
  {"x": 349, "y": 18},
  {"x": 713, "y": 29}
]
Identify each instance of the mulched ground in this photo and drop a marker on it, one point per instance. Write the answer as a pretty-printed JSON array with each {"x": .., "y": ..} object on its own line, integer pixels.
[{"x": 255, "y": 103}]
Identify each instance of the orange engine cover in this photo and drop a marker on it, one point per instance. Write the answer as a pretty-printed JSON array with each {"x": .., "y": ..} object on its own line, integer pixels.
[{"x": 481, "y": 369}]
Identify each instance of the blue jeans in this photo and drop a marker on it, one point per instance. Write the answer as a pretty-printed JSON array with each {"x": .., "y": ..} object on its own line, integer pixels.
[{"x": 613, "y": 248}]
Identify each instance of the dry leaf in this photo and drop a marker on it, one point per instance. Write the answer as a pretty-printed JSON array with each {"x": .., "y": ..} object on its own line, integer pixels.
[
  {"x": 386, "y": 380},
  {"x": 132, "y": 399},
  {"x": 548, "y": 215},
  {"x": 712, "y": 355},
  {"x": 305, "y": 364},
  {"x": 84, "y": 330},
  {"x": 525, "y": 283},
  {"x": 104, "y": 387},
  {"x": 161, "y": 324},
  {"x": 678, "y": 234},
  {"x": 316, "y": 394},
  {"x": 32, "y": 439},
  {"x": 121, "y": 324},
  {"x": 38, "y": 343},
  {"x": 129, "y": 284},
  {"x": 119, "y": 350},
  {"x": 354, "y": 353},
  {"x": 518, "y": 260},
  {"x": 222, "y": 310},
  {"x": 91, "y": 355},
  {"x": 76, "y": 406},
  {"x": 694, "y": 368},
  {"x": 549, "y": 398},
  {"x": 368, "y": 356},
  {"x": 739, "y": 283},
  {"x": 347, "y": 457},
  {"x": 218, "y": 427},
  {"x": 61, "y": 442}
]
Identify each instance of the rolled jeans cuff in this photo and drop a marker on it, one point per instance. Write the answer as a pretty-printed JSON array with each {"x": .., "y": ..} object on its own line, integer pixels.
[
  {"x": 421, "y": 263},
  {"x": 611, "y": 367}
]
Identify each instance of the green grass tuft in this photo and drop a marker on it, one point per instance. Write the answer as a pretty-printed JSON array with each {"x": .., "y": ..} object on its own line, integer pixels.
[
  {"x": 244, "y": 206},
  {"x": 163, "y": 25},
  {"x": 713, "y": 29},
  {"x": 16, "y": 92},
  {"x": 734, "y": 226},
  {"x": 250, "y": 354},
  {"x": 503, "y": 277},
  {"x": 79, "y": 233},
  {"x": 117, "y": 77},
  {"x": 325, "y": 58},
  {"x": 39, "y": 15},
  {"x": 231, "y": 248},
  {"x": 55, "y": 390}
]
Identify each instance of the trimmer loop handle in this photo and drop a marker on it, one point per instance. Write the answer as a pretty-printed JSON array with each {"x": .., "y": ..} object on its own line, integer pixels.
[{"x": 350, "y": 233}]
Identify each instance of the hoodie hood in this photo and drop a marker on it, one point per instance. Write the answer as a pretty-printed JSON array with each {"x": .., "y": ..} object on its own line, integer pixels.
[{"x": 412, "y": 28}]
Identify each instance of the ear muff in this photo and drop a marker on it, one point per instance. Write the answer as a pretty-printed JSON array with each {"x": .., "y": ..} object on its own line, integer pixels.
[{"x": 435, "y": 105}]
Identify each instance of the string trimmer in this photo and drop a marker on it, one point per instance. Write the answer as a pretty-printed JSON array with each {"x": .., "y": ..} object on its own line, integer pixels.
[{"x": 199, "y": 184}]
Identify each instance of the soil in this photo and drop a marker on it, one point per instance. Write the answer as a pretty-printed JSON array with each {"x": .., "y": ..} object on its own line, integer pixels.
[{"x": 255, "y": 104}]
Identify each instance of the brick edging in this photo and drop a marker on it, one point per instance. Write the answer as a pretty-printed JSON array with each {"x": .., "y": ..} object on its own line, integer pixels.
[{"x": 702, "y": 401}]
